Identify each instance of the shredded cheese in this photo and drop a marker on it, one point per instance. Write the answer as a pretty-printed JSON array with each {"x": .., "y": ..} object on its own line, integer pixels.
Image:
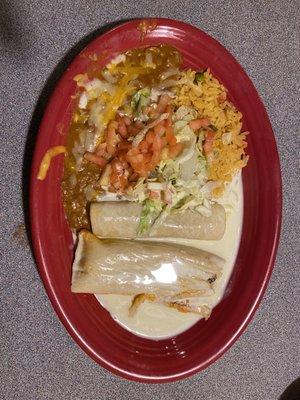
[{"x": 45, "y": 163}]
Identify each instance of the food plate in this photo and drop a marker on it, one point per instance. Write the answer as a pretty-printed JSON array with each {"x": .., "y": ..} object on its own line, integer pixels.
[{"x": 91, "y": 326}]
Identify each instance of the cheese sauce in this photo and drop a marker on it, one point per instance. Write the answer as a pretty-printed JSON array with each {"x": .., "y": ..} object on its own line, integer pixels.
[{"x": 157, "y": 321}]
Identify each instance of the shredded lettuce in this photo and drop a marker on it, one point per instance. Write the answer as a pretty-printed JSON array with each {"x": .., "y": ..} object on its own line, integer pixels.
[
  {"x": 151, "y": 210},
  {"x": 182, "y": 182},
  {"x": 202, "y": 166},
  {"x": 139, "y": 100},
  {"x": 185, "y": 113},
  {"x": 138, "y": 193}
]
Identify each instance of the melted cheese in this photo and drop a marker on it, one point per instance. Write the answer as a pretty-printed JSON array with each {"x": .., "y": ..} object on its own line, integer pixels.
[
  {"x": 157, "y": 321},
  {"x": 45, "y": 163}
]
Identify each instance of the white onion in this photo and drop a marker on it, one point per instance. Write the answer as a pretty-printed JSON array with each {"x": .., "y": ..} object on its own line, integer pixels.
[
  {"x": 83, "y": 100},
  {"x": 118, "y": 59},
  {"x": 108, "y": 76},
  {"x": 98, "y": 87},
  {"x": 148, "y": 58},
  {"x": 156, "y": 186},
  {"x": 155, "y": 93},
  {"x": 166, "y": 84},
  {"x": 89, "y": 143},
  {"x": 169, "y": 72}
]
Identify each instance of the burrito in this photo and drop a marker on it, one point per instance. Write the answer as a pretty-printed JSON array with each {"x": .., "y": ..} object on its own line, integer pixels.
[
  {"x": 120, "y": 219},
  {"x": 166, "y": 271}
]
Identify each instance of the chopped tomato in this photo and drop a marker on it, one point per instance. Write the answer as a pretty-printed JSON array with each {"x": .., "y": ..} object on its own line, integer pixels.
[
  {"x": 143, "y": 146},
  {"x": 150, "y": 137},
  {"x": 112, "y": 137},
  {"x": 119, "y": 175},
  {"x": 175, "y": 150},
  {"x": 157, "y": 144},
  {"x": 132, "y": 130},
  {"x": 171, "y": 139},
  {"x": 101, "y": 151},
  {"x": 208, "y": 143},
  {"x": 168, "y": 109},
  {"x": 160, "y": 129},
  {"x": 127, "y": 120},
  {"x": 168, "y": 196},
  {"x": 163, "y": 102},
  {"x": 147, "y": 158},
  {"x": 123, "y": 145},
  {"x": 131, "y": 162},
  {"x": 199, "y": 123},
  {"x": 155, "y": 159},
  {"x": 101, "y": 161},
  {"x": 154, "y": 194},
  {"x": 122, "y": 128},
  {"x": 133, "y": 177},
  {"x": 168, "y": 122},
  {"x": 133, "y": 151},
  {"x": 222, "y": 97}
]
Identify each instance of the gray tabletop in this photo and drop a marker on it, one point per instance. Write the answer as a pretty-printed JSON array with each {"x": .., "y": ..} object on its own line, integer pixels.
[{"x": 39, "y": 360}]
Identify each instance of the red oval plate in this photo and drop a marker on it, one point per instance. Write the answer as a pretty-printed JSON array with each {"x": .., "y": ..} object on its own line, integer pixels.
[{"x": 88, "y": 323}]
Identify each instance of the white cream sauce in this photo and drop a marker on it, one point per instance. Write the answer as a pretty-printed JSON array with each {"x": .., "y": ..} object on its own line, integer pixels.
[{"x": 157, "y": 321}]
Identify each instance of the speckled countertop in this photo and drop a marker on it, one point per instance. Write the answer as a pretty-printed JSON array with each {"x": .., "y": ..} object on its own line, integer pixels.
[{"x": 39, "y": 360}]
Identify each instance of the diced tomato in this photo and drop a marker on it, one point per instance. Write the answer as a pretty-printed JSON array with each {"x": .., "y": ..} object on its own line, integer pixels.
[
  {"x": 112, "y": 137},
  {"x": 122, "y": 155},
  {"x": 210, "y": 135},
  {"x": 134, "y": 177},
  {"x": 157, "y": 143},
  {"x": 101, "y": 161},
  {"x": 208, "y": 143},
  {"x": 122, "y": 128},
  {"x": 139, "y": 124},
  {"x": 132, "y": 130},
  {"x": 119, "y": 175},
  {"x": 164, "y": 100},
  {"x": 175, "y": 150},
  {"x": 168, "y": 196},
  {"x": 154, "y": 194},
  {"x": 101, "y": 149},
  {"x": 168, "y": 122},
  {"x": 124, "y": 145},
  {"x": 199, "y": 123},
  {"x": 133, "y": 151},
  {"x": 150, "y": 137},
  {"x": 127, "y": 120},
  {"x": 164, "y": 142},
  {"x": 147, "y": 158},
  {"x": 168, "y": 109},
  {"x": 171, "y": 139},
  {"x": 222, "y": 97},
  {"x": 155, "y": 159},
  {"x": 143, "y": 146},
  {"x": 159, "y": 129},
  {"x": 139, "y": 158},
  {"x": 149, "y": 166}
]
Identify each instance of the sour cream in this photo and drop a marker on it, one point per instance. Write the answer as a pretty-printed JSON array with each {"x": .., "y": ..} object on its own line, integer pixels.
[{"x": 157, "y": 321}]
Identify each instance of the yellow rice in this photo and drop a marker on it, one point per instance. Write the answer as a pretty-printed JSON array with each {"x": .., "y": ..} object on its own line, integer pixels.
[{"x": 229, "y": 142}]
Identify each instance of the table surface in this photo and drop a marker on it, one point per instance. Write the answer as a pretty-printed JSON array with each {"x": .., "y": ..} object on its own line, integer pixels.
[{"x": 39, "y": 360}]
